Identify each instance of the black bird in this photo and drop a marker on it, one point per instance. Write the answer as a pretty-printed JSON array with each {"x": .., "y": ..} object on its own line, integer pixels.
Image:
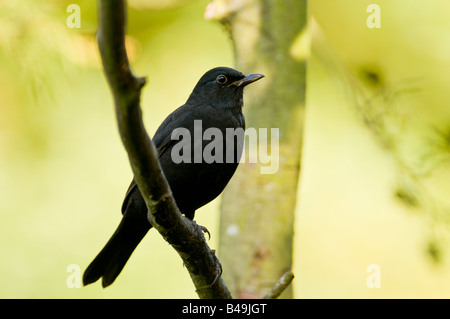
[{"x": 217, "y": 101}]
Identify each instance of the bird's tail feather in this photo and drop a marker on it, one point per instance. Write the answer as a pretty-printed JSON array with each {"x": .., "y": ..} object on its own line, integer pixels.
[{"x": 112, "y": 258}]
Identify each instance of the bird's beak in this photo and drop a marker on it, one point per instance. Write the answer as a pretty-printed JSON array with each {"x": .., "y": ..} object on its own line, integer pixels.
[{"x": 249, "y": 78}]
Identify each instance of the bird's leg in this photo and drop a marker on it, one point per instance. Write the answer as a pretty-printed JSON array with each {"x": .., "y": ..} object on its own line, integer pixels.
[
  {"x": 213, "y": 253},
  {"x": 203, "y": 229}
]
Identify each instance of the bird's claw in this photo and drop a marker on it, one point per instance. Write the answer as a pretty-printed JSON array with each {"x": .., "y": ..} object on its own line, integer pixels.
[
  {"x": 203, "y": 229},
  {"x": 218, "y": 267}
]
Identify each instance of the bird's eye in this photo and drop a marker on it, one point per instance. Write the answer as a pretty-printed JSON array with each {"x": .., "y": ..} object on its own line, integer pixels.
[{"x": 221, "y": 79}]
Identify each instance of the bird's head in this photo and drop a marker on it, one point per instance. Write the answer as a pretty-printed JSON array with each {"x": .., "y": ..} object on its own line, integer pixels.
[{"x": 222, "y": 87}]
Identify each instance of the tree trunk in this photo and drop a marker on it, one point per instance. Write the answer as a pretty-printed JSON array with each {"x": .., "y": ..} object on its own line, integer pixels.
[{"x": 257, "y": 211}]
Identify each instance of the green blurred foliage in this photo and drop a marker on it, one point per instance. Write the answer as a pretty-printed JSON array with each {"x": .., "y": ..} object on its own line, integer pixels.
[
  {"x": 376, "y": 147},
  {"x": 375, "y": 187}
]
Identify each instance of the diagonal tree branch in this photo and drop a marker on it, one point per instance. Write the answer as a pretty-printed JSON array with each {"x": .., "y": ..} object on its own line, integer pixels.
[{"x": 181, "y": 233}]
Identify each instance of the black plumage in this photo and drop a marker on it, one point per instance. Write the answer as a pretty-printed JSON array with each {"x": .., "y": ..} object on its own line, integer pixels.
[{"x": 217, "y": 102}]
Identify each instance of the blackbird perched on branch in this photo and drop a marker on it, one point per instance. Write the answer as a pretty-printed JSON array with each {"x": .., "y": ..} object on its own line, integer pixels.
[{"x": 195, "y": 171}]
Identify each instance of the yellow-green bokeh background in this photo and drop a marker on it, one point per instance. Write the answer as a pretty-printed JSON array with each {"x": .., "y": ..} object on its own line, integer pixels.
[{"x": 64, "y": 172}]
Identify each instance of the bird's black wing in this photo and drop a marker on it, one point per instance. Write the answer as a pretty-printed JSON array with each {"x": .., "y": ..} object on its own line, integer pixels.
[
  {"x": 162, "y": 140},
  {"x": 128, "y": 195},
  {"x": 166, "y": 143}
]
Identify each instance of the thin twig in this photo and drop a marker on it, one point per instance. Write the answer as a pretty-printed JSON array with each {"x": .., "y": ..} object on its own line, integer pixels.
[{"x": 280, "y": 286}]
